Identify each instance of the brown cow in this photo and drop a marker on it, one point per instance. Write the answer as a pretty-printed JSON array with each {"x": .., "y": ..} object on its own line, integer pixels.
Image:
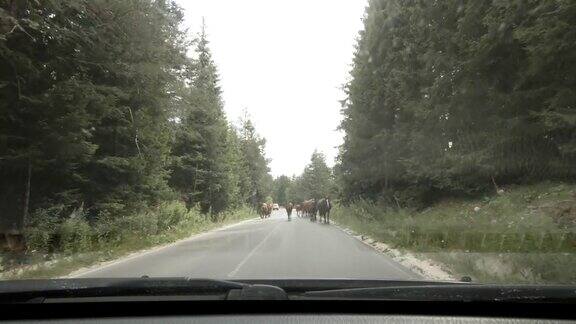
[
  {"x": 298, "y": 210},
  {"x": 270, "y": 209},
  {"x": 309, "y": 208},
  {"x": 265, "y": 210}
]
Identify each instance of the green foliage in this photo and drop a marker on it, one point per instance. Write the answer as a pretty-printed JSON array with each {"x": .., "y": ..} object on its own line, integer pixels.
[
  {"x": 202, "y": 169},
  {"x": 47, "y": 231},
  {"x": 449, "y": 98},
  {"x": 257, "y": 181},
  {"x": 103, "y": 110},
  {"x": 132, "y": 233},
  {"x": 75, "y": 235},
  {"x": 215, "y": 166},
  {"x": 317, "y": 181},
  {"x": 41, "y": 228},
  {"x": 451, "y": 101},
  {"x": 85, "y": 102},
  {"x": 281, "y": 187},
  {"x": 169, "y": 215},
  {"x": 109, "y": 229}
]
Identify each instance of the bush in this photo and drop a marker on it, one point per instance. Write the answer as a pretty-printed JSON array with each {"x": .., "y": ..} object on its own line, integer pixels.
[
  {"x": 113, "y": 234},
  {"x": 42, "y": 225},
  {"x": 243, "y": 212},
  {"x": 107, "y": 228},
  {"x": 113, "y": 229},
  {"x": 75, "y": 233},
  {"x": 145, "y": 223},
  {"x": 194, "y": 217},
  {"x": 170, "y": 214}
]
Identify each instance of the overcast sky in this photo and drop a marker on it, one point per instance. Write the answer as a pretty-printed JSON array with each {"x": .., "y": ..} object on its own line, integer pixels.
[{"x": 285, "y": 63}]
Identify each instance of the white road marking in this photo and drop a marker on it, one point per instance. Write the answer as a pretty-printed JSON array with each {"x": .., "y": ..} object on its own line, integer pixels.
[{"x": 233, "y": 272}]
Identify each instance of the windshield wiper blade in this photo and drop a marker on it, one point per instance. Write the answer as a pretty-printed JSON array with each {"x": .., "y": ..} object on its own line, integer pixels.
[
  {"x": 468, "y": 292},
  {"x": 38, "y": 291},
  {"x": 26, "y": 290}
]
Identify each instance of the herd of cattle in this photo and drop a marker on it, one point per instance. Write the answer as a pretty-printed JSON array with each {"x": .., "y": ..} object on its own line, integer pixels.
[{"x": 309, "y": 208}]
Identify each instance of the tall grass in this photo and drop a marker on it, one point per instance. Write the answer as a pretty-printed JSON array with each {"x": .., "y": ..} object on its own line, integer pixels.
[
  {"x": 56, "y": 248},
  {"x": 527, "y": 234}
]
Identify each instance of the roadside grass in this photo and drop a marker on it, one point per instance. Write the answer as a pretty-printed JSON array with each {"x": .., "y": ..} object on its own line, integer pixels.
[
  {"x": 117, "y": 238},
  {"x": 525, "y": 235}
]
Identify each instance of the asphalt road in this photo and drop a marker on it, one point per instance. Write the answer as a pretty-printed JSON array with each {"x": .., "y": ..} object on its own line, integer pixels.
[{"x": 262, "y": 249}]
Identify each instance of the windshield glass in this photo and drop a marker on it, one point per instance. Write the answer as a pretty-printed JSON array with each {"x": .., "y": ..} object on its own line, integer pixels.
[{"x": 257, "y": 139}]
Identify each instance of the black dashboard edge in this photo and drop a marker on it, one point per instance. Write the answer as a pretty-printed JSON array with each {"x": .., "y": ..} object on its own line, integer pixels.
[{"x": 172, "y": 308}]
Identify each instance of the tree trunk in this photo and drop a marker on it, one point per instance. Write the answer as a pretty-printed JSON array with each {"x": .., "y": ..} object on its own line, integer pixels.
[
  {"x": 27, "y": 192},
  {"x": 495, "y": 185}
]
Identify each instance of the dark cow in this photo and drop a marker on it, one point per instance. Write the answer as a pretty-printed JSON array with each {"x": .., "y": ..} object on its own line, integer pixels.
[
  {"x": 298, "y": 210},
  {"x": 309, "y": 209},
  {"x": 262, "y": 210},
  {"x": 289, "y": 207},
  {"x": 324, "y": 205}
]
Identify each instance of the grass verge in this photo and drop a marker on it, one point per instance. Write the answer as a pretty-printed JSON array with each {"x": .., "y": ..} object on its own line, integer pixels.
[
  {"x": 525, "y": 235},
  {"x": 107, "y": 244}
]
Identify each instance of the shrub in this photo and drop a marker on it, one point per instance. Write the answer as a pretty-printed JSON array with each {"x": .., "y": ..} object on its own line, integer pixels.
[
  {"x": 75, "y": 233},
  {"x": 243, "y": 212},
  {"x": 145, "y": 223},
  {"x": 107, "y": 228},
  {"x": 42, "y": 225},
  {"x": 194, "y": 216},
  {"x": 170, "y": 214},
  {"x": 113, "y": 233}
]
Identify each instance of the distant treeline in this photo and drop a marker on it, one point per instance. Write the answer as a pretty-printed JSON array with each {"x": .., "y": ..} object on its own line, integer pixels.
[
  {"x": 316, "y": 181},
  {"x": 457, "y": 97},
  {"x": 105, "y": 107}
]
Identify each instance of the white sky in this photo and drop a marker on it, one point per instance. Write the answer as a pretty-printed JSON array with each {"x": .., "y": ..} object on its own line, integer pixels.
[{"x": 284, "y": 62}]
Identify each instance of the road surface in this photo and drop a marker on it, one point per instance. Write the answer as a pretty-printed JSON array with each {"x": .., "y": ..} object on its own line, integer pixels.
[{"x": 272, "y": 248}]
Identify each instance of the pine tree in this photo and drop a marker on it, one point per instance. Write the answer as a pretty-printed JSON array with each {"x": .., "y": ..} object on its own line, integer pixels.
[
  {"x": 259, "y": 184},
  {"x": 85, "y": 93},
  {"x": 281, "y": 186},
  {"x": 201, "y": 172},
  {"x": 455, "y": 97}
]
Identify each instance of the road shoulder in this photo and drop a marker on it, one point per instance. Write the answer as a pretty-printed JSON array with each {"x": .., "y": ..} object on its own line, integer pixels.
[{"x": 424, "y": 267}]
